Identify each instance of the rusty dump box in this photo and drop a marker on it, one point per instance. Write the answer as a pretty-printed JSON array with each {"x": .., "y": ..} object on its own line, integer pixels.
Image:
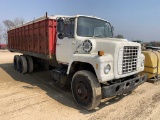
[{"x": 36, "y": 38}]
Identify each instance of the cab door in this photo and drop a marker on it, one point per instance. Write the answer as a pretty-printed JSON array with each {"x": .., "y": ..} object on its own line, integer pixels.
[{"x": 65, "y": 46}]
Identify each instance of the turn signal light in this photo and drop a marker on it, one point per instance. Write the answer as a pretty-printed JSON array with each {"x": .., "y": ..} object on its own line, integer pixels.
[{"x": 100, "y": 53}]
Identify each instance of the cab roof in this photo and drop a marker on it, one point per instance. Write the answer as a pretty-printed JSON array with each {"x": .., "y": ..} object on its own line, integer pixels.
[{"x": 54, "y": 17}]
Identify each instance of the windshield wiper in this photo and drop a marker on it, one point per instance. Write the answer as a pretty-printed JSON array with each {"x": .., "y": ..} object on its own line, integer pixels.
[
  {"x": 88, "y": 36},
  {"x": 99, "y": 36}
]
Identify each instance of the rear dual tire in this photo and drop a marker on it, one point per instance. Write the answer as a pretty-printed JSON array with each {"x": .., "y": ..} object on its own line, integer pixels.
[
  {"x": 15, "y": 62},
  {"x": 29, "y": 64},
  {"x": 23, "y": 64}
]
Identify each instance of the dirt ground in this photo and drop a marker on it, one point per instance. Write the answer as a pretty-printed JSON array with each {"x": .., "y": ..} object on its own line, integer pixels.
[{"x": 33, "y": 97}]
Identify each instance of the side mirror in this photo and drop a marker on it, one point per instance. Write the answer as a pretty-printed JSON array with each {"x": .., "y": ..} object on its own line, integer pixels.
[{"x": 60, "y": 25}]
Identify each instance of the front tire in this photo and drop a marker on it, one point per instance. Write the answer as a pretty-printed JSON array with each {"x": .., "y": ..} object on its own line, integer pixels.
[{"x": 86, "y": 89}]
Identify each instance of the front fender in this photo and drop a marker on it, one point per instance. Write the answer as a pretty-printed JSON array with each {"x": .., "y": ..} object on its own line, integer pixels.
[{"x": 98, "y": 63}]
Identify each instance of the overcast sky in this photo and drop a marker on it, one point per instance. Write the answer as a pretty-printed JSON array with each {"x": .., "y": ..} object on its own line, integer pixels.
[{"x": 135, "y": 19}]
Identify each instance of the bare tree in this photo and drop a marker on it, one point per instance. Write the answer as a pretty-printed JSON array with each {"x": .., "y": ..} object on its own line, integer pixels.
[
  {"x": 1, "y": 29},
  {"x": 8, "y": 24},
  {"x": 18, "y": 21},
  {"x": 5, "y": 37}
]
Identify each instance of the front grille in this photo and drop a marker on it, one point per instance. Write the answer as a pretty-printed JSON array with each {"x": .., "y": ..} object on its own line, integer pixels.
[{"x": 130, "y": 56}]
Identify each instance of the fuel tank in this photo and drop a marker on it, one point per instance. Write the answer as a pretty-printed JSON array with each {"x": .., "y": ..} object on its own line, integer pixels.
[{"x": 152, "y": 63}]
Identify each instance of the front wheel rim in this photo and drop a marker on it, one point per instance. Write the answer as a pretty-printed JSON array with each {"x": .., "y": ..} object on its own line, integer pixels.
[{"x": 82, "y": 91}]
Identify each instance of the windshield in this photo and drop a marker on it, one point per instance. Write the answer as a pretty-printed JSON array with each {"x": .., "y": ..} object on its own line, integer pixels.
[{"x": 91, "y": 27}]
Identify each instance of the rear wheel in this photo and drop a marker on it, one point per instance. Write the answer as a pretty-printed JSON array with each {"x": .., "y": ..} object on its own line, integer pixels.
[
  {"x": 15, "y": 62},
  {"x": 86, "y": 89},
  {"x": 22, "y": 64},
  {"x": 29, "y": 64}
]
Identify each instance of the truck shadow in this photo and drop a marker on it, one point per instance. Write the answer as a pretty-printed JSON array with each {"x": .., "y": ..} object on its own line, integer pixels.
[{"x": 42, "y": 79}]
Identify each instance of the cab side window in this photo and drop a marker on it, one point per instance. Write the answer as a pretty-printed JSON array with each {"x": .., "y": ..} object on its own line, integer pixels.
[{"x": 69, "y": 28}]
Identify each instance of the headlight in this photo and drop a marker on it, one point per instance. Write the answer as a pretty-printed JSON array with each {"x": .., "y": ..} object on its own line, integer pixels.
[
  {"x": 142, "y": 63},
  {"x": 87, "y": 46},
  {"x": 107, "y": 68}
]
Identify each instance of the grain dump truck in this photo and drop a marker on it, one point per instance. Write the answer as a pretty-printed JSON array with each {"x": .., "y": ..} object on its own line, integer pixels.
[{"x": 84, "y": 53}]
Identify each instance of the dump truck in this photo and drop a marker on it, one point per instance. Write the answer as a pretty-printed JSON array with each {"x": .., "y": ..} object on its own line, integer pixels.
[{"x": 84, "y": 54}]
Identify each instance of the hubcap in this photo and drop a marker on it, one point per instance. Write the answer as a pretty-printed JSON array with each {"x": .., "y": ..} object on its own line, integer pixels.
[
  {"x": 82, "y": 90},
  {"x": 79, "y": 91}
]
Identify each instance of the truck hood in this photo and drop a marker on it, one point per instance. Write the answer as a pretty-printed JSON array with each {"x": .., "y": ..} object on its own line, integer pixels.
[
  {"x": 110, "y": 45},
  {"x": 113, "y": 48}
]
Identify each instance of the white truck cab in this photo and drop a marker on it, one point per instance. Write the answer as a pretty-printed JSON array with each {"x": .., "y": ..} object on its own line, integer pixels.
[{"x": 101, "y": 65}]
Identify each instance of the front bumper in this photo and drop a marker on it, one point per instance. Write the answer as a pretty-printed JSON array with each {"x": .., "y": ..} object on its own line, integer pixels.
[{"x": 124, "y": 87}]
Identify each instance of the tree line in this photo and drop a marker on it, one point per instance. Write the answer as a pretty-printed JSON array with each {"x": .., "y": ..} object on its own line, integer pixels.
[{"x": 153, "y": 43}]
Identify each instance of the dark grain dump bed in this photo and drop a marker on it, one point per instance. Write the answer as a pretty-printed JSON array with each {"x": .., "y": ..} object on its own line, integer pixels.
[{"x": 36, "y": 38}]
